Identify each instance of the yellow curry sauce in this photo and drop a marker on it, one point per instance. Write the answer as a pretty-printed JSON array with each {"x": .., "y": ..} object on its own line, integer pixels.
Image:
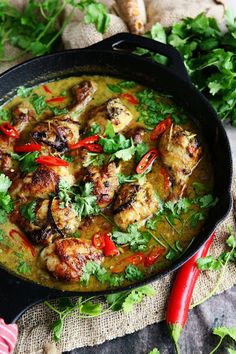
[{"x": 173, "y": 231}]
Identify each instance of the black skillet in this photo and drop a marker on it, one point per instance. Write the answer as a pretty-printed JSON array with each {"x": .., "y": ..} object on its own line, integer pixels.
[{"x": 114, "y": 57}]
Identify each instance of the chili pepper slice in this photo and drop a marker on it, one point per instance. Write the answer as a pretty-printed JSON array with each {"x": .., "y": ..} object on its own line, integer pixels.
[
  {"x": 9, "y": 130},
  {"x": 110, "y": 248},
  {"x": 47, "y": 89},
  {"x": 82, "y": 143},
  {"x": 166, "y": 178},
  {"x": 182, "y": 291},
  {"x": 27, "y": 148},
  {"x": 130, "y": 98},
  {"x": 153, "y": 256},
  {"x": 51, "y": 161},
  {"x": 146, "y": 160},
  {"x": 56, "y": 99},
  {"x": 135, "y": 259},
  {"x": 94, "y": 147},
  {"x": 98, "y": 240},
  {"x": 26, "y": 243},
  {"x": 160, "y": 128}
]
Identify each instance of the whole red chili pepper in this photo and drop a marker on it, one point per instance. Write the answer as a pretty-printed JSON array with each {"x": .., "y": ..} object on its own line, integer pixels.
[
  {"x": 51, "y": 161},
  {"x": 84, "y": 142},
  {"x": 160, "y": 128},
  {"x": 9, "y": 130},
  {"x": 135, "y": 259},
  {"x": 47, "y": 89},
  {"x": 26, "y": 243},
  {"x": 181, "y": 293},
  {"x": 56, "y": 99},
  {"x": 146, "y": 160},
  {"x": 27, "y": 148},
  {"x": 110, "y": 248},
  {"x": 130, "y": 98}
]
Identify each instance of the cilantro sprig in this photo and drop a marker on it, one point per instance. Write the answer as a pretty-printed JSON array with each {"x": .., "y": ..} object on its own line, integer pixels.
[{"x": 6, "y": 204}]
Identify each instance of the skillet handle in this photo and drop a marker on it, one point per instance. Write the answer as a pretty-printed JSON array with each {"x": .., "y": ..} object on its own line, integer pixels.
[{"x": 129, "y": 42}]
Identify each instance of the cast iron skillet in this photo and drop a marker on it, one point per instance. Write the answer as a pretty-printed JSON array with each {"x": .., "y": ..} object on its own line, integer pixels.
[{"x": 114, "y": 57}]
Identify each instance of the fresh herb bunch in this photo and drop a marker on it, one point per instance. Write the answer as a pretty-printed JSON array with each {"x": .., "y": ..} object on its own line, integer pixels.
[
  {"x": 89, "y": 308},
  {"x": 209, "y": 56},
  {"x": 37, "y": 28}
]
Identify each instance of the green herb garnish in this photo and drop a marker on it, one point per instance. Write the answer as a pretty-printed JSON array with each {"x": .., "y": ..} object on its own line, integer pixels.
[{"x": 28, "y": 211}]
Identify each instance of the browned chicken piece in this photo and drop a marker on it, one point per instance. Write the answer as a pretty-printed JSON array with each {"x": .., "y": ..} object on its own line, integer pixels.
[
  {"x": 134, "y": 203},
  {"x": 40, "y": 183},
  {"x": 113, "y": 110},
  {"x": 56, "y": 133},
  {"x": 83, "y": 93},
  {"x": 105, "y": 182},
  {"x": 180, "y": 153},
  {"x": 66, "y": 258},
  {"x": 22, "y": 115},
  {"x": 52, "y": 220},
  {"x": 137, "y": 134}
]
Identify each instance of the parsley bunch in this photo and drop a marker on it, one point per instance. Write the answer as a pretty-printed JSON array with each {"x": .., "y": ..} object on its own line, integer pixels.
[
  {"x": 36, "y": 29},
  {"x": 209, "y": 56}
]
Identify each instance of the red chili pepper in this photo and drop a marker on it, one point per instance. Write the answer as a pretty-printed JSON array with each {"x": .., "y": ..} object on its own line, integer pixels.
[
  {"x": 84, "y": 142},
  {"x": 47, "y": 89},
  {"x": 26, "y": 243},
  {"x": 94, "y": 147},
  {"x": 153, "y": 256},
  {"x": 130, "y": 98},
  {"x": 51, "y": 161},
  {"x": 135, "y": 259},
  {"x": 56, "y": 99},
  {"x": 160, "y": 128},
  {"x": 147, "y": 160},
  {"x": 165, "y": 174},
  {"x": 9, "y": 130},
  {"x": 110, "y": 248},
  {"x": 181, "y": 293},
  {"x": 98, "y": 240},
  {"x": 27, "y": 148}
]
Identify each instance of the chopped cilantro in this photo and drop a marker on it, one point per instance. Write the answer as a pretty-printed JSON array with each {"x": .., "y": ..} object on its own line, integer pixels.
[
  {"x": 27, "y": 162},
  {"x": 4, "y": 115},
  {"x": 94, "y": 159},
  {"x": 23, "y": 267},
  {"x": 94, "y": 129},
  {"x": 28, "y": 211},
  {"x": 85, "y": 202},
  {"x": 118, "y": 88},
  {"x": 38, "y": 102},
  {"x": 5, "y": 183},
  {"x": 132, "y": 273},
  {"x": 137, "y": 240},
  {"x": 57, "y": 111},
  {"x": 23, "y": 91}
]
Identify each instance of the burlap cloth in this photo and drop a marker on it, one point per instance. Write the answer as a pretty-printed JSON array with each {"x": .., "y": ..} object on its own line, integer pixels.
[{"x": 34, "y": 326}]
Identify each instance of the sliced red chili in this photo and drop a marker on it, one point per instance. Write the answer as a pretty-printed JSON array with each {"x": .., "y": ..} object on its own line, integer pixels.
[
  {"x": 13, "y": 233},
  {"x": 51, "y": 161},
  {"x": 110, "y": 248},
  {"x": 153, "y": 256},
  {"x": 9, "y": 130},
  {"x": 130, "y": 98},
  {"x": 165, "y": 174},
  {"x": 135, "y": 259},
  {"x": 47, "y": 89},
  {"x": 98, "y": 240},
  {"x": 56, "y": 99},
  {"x": 94, "y": 147},
  {"x": 161, "y": 128},
  {"x": 84, "y": 142},
  {"x": 147, "y": 160},
  {"x": 27, "y": 148}
]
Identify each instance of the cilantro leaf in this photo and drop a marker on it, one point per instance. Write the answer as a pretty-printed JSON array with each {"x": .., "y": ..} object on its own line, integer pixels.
[
  {"x": 132, "y": 273},
  {"x": 23, "y": 91},
  {"x": 27, "y": 162},
  {"x": 118, "y": 88},
  {"x": 4, "y": 115},
  {"x": 222, "y": 332},
  {"x": 154, "y": 351},
  {"x": 28, "y": 211},
  {"x": 93, "y": 268},
  {"x": 97, "y": 14},
  {"x": 23, "y": 267},
  {"x": 38, "y": 102},
  {"x": 207, "y": 201},
  {"x": 138, "y": 240},
  {"x": 57, "y": 111},
  {"x": 85, "y": 202}
]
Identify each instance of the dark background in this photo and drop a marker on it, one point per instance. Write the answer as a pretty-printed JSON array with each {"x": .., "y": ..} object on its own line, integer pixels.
[{"x": 197, "y": 338}]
